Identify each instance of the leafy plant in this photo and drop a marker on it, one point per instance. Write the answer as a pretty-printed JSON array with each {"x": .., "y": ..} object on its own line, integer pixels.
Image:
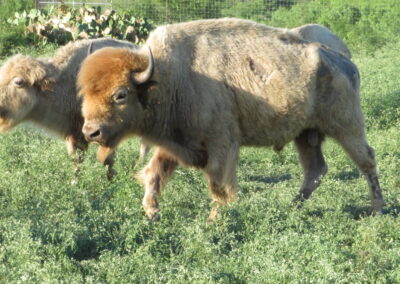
[
  {"x": 65, "y": 24},
  {"x": 8, "y": 7}
]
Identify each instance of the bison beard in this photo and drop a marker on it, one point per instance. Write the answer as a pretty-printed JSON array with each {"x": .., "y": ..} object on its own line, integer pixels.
[{"x": 221, "y": 84}]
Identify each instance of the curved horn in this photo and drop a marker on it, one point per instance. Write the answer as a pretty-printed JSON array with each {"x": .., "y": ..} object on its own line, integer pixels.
[
  {"x": 141, "y": 77},
  {"x": 90, "y": 48}
]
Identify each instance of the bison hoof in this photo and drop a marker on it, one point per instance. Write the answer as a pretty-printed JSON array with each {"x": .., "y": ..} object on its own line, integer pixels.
[
  {"x": 299, "y": 199},
  {"x": 377, "y": 207},
  {"x": 153, "y": 214},
  {"x": 111, "y": 173},
  {"x": 214, "y": 215}
]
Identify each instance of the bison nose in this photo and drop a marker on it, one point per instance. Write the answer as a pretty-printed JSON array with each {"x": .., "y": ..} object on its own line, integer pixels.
[{"x": 92, "y": 132}]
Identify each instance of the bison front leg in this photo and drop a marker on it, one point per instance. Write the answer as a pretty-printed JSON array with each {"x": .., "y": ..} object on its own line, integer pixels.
[
  {"x": 76, "y": 151},
  {"x": 154, "y": 176},
  {"x": 222, "y": 179},
  {"x": 144, "y": 150},
  {"x": 106, "y": 155},
  {"x": 308, "y": 145}
]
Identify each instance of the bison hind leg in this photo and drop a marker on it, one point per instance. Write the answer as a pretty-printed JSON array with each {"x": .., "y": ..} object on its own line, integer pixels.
[
  {"x": 308, "y": 145},
  {"x": 363, "y": 156}
]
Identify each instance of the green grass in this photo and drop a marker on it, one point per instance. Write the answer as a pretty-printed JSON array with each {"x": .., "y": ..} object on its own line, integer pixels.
[{"x": 96, "y": 232}]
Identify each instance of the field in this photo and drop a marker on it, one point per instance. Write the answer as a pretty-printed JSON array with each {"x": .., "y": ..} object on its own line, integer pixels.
[{"x": 96, "y": 232}]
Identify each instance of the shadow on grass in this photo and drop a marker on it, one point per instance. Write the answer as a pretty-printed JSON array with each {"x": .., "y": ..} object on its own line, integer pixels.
[
  {"x": 270, "y": 180},
  {"x": 225, "y": 277},
  {"x": 359, "y": 212},
  {"x": 393, "y": 210},
  {"x": 347, "y": 175},
  {"x": 85, "y": 248}
]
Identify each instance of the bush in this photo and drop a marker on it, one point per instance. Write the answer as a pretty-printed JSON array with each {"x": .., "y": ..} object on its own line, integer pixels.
[
  {"x": 9, "y": 7},
  {"x": 363, "y": 25},
  {"x": 64, "y": 24},
  {"x": 10, "y": 40}
]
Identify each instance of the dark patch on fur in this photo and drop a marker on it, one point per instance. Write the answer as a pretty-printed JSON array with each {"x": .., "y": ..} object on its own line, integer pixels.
[
  {"x": 3, "y": 112},
  {"x": 311, "y": 137},
  {"x": 290, "y": 39},
  {"x": 324, "y": 83},
  {"x": 178, "y": 136},
  {"x": 168, "y": 164},
  {"x": 155, "y": 182},
  {"x": 142, "y": 91},
  {"x": 342, "y": 63},
  {"x": 257, "y": 69},
  {"x": 201, "y": 159},
  {"x": 371, "y": 152},
  {"x": 376, "y": 189}
]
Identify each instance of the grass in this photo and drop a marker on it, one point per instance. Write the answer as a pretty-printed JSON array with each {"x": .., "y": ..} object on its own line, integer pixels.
[{"x": 96, "y": 232}]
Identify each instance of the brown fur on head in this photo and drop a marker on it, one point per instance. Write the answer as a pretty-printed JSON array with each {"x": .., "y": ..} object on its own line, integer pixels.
[
  {"x": 22, "y": 79},
  {"x": 110, "y": 98}
]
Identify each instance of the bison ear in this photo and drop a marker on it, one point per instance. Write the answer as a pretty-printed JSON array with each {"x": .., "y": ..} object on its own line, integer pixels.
[
  {"x": 46, "y": 84},
  {"x": 46, "y": 78},
  {"x": 141, "y": 77}
]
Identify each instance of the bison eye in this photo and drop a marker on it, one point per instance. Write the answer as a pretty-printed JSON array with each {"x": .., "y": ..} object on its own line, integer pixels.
[
  {"x": 18, "y": 81},
  {"x": 120, "y": 97}
]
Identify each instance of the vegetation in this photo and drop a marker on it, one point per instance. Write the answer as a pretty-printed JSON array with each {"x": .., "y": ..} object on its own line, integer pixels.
[
  {"x": 11, "y": 38},
  {"x": 96, "y": 232},
  {"x": 163, "y": 11},
  {"x": 362, "y": 24},
  {"x": 65, "y": 24}
]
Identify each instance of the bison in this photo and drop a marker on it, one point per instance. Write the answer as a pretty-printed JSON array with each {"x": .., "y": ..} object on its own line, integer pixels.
[
  {"x": 309, "y": 32},
  {"x": 44, "y": 92},
  {"x": 200, "y": 90}
]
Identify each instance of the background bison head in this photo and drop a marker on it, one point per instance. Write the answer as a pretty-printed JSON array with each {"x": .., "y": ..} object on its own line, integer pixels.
[
  {"x": 110, "y": 81},
  {"x": 22, "y": 80}
]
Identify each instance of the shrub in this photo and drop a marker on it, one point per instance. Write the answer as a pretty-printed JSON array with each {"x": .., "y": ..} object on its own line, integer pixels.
[
  {"x": 9, "y": 7},
  {"x": 10, "y": 40},
  {"x": 65, "y": 24}
]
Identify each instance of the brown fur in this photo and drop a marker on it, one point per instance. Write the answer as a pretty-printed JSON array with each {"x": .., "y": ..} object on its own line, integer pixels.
[
  {"x": 221, "y": 84},
  {"x": 48, "y": 95}
]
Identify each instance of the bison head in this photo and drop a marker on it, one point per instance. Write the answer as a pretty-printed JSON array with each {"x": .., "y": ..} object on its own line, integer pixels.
[
  {"x": 110, "y": 81},
  {"x": 22, "y": 80}
]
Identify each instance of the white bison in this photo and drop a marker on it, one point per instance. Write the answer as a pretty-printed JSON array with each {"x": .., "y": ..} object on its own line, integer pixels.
[
  {"x": 309, "y": 32},
  {"x": 200, "y": 90},
  {"x": 44, "y": 92}
]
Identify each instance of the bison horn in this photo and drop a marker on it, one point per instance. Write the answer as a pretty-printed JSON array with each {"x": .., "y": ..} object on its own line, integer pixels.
[
  {"x": 142, "y": 77},
  {"x": 90, "y": 48}
]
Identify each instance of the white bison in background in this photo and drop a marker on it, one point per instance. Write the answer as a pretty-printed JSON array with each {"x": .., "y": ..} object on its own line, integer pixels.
[
  {"x": 309, "y": 32},
  {"x": 44, "y": 92},
  {"x": 318, "y": 33},
  {"x": 200, "y": 90}
]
